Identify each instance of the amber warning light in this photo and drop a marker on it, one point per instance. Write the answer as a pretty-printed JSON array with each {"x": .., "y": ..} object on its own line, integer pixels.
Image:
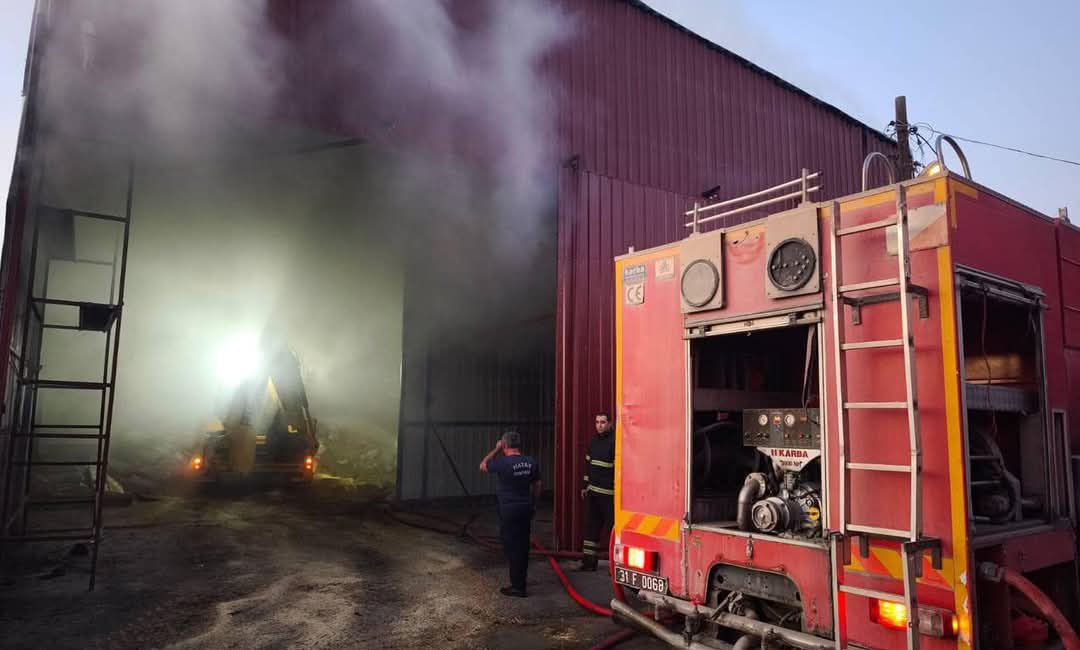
[
  {"x": 932, "y": 622},
  {"x": 196, "y": 463}
]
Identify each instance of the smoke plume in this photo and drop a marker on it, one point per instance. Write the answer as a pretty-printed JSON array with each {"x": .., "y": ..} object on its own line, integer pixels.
[{"x": 246, "y": 219}]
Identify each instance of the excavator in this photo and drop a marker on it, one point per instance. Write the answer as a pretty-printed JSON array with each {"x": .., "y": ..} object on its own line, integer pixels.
[{"x": 266, "y": 429}]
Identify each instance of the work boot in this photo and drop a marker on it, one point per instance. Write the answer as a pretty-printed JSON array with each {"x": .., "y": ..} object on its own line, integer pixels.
[
  {"x": 588, "y": 563},
  {"x": 516, "y": 593}
]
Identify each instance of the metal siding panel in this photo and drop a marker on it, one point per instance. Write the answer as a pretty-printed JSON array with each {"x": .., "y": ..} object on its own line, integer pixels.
[{"x": 687, "y": 117}]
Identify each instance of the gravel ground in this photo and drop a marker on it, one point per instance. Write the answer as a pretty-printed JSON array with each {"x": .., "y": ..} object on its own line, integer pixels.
[{"x": 286, "y": 568}]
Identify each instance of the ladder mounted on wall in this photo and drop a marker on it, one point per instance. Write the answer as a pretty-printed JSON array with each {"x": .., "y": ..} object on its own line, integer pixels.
[
  {"x": 33, "y": 444},
  {"x": 858, "y": 295}
]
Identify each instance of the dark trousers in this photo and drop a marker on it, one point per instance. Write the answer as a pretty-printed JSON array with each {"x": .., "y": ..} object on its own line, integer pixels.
[
  {"x": 599, "y": 515},
  {"x": 515, "y": 526}
]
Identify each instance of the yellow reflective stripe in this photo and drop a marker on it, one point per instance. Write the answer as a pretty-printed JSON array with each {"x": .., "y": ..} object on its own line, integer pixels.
[
  {"x": 600, "y": 463},
  {"x": 600, "y": 490}
]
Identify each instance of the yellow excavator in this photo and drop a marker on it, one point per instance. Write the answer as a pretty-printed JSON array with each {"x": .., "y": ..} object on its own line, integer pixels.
[{"x": 266, "y": 428}]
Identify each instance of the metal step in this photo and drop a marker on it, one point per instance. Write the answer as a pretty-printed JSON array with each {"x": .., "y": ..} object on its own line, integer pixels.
[
  {"x": 62, "y": 502},
  {"x": 876, "y": 531},
  {"x": 867, "y": 345},
  {"x": 872, "y": 284},
  {"x": 66, "y": 385},
  {"x": 875, "y": 405},
  {"x": 59, "y": 463},
  {"x": 89, "y": 538},
  {"x": 84, "y": 213},
  {"x": 872, "y": 593},
  {"x": 61, "y": 436},
  {"x": 873, "y": 225},
  {"x": 878, "y": 467}
]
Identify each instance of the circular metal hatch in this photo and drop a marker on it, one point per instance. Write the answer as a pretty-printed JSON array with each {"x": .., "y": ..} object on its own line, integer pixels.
[
  {"x": 700, "y": 282},
  {"x": 792, "y": 264}
]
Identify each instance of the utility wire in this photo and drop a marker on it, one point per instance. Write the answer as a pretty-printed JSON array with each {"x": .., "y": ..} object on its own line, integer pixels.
[{"x": 999, "y": 146}]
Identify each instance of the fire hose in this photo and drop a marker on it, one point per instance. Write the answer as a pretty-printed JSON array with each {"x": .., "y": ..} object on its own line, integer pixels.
[
  {"x": 538, "y": 549},
  {"x": 1041, "y": 601}
]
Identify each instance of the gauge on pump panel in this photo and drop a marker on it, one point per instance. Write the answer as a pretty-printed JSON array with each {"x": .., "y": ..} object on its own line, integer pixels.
[
  {"x": 789, "y": 419},
  {"x": 763, "y": 419}
]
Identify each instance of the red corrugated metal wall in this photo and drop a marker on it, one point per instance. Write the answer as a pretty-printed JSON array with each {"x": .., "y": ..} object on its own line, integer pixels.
[{"x": 653, "y": 116}]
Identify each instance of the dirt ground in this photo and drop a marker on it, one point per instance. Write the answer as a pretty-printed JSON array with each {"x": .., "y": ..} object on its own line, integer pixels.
[{"x": 320, "y": 567}]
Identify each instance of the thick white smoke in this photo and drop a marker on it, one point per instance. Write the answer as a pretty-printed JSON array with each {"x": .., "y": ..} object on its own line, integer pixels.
[{"x": 459, "y": 170}]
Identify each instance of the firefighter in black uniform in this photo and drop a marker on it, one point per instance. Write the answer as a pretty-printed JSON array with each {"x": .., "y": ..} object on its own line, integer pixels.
[{"x": 599, "y": 491}]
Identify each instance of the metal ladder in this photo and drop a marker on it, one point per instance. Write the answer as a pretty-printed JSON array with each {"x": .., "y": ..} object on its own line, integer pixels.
[
  {"x": 28, "y": 445},
  {"x": 912, "y": 542}
]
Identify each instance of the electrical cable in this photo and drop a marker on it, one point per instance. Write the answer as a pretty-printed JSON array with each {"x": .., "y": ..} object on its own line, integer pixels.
[{"x": 1002, "y": 147}]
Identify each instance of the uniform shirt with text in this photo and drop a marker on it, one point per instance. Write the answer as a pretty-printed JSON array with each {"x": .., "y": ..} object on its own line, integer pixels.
[{"x": 514, "y": 478}]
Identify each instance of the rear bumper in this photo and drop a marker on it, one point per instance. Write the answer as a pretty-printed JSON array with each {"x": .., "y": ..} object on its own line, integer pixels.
[
  {"x": 296, "y": 472},
  {"x": 742, "y": 624}
]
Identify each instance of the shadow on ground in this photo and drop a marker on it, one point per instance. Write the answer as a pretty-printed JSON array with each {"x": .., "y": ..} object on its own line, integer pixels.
[{"x": 286, "y": 567}]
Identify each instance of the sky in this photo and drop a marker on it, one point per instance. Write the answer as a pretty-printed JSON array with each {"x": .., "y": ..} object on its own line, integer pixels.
[
  {"x": 14, "y": 34},
  {"x": 999, "y": 71},
  {"x": 994, "y": 70}
]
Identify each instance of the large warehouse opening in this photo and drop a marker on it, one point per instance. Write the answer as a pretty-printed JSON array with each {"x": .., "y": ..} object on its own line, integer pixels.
[{"x": 371, "y": 309}]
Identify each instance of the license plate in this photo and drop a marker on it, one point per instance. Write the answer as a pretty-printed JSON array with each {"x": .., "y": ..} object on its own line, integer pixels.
[{"x": 638, "y": 580}]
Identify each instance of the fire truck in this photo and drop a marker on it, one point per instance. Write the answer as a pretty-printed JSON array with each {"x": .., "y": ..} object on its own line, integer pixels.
[{"x": 847, "y": 424}]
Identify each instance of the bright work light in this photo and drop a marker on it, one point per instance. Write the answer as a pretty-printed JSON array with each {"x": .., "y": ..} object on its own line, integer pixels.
[{"x": 238, "y": 360}]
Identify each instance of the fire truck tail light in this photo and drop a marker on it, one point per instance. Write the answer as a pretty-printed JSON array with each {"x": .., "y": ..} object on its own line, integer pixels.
[
  {"x": 639, "y": 558},
  {"x": 888, "y": 614},
  {"x": 932, "y": 622}
]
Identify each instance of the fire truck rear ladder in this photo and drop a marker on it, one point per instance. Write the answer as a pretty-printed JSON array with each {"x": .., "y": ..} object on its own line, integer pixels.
[{"x": 912, "y": 542}]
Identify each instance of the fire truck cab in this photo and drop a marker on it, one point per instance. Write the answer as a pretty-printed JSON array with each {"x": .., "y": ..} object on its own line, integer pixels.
[{"x": 847, "y": 424}]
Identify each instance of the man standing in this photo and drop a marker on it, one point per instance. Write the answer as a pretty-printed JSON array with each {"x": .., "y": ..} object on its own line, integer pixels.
[
  {"x": 599, "y": 491},
  {"x": 517, "y": 488}
]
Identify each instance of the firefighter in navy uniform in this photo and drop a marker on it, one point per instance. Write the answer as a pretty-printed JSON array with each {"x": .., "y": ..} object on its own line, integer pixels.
[
  {"x": 599, "y": 491},
  {"x": 517, "y": 489}
]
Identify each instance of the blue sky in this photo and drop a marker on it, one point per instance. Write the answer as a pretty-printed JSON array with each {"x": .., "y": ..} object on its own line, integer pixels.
[
  {"x": 994, "y": 70},
  {"x": 14, "y": 33}
]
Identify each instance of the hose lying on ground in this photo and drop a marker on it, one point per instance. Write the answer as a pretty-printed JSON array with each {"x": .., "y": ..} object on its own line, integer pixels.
[{"x": 462, "y": 531}]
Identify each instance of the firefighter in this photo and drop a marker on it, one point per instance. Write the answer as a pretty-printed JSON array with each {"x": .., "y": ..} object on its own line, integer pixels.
[
  {"x": 599, "y": 491},
  {"x": 517, "y": 489}
]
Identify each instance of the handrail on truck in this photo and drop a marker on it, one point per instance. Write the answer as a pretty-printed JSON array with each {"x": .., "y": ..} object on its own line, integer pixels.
[{"x": 803, "y": 194}]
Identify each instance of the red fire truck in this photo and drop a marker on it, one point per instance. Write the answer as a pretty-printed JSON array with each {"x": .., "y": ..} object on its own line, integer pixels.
[{"x": 847, "y": 424}]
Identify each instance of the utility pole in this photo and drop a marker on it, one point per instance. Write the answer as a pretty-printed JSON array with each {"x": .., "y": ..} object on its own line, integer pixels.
[{"x": 903, "y": 162}]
